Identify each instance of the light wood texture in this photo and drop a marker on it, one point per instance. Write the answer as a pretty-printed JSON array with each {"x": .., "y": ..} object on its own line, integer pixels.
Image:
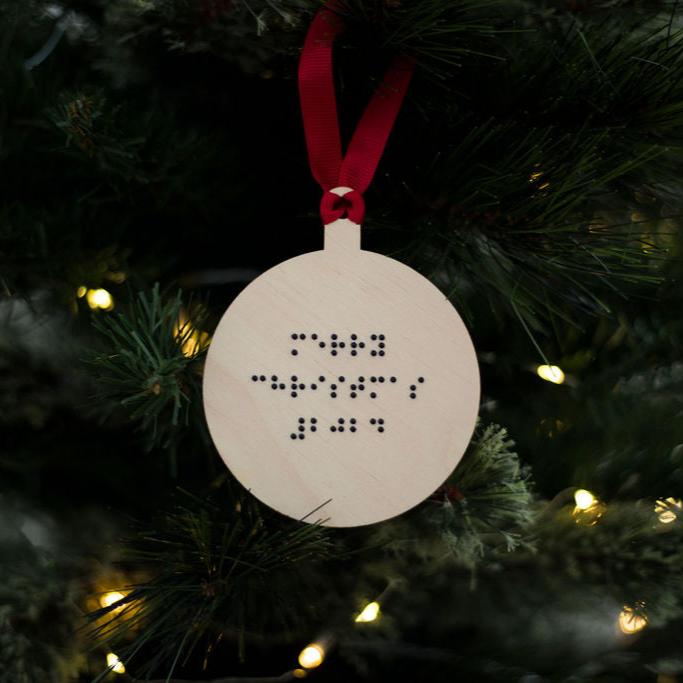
[{"x": 370, "y": 470}]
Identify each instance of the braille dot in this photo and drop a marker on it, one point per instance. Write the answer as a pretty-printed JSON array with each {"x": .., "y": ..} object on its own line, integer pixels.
[
  {"x": 381, "y": 420},
  {"x": 292, "y": 386},
  {"x": 421, "y": 380},
  {"x": 295, "y": 336},
  {"x": 342, "y": 345},
  {"x": 392, "y": 379},
  {"x": 314, "y": 336},
  {"x": 381, "y": 345},
  {"x": 361, "y": 387},
  {"x": 314, "y": 428},
  {"x": 381, "y": 380},
  {"x": 334, "y": 345},
  {"x": 353, "y": 429},
  {"x": 273, "y": 386},
  {"x": 353, "y": 420},
  {"x": 295, "y": 352},
  {"x": 353, "y": 387},
  {"x": 262, "y": 378},
  {"x": 292, "y": 436},
  {"x": 361, "y": 345},
  {"x": 341, "y": 420},
  {"x": 342, "y": 379},
  {"x": 373, "y": 352},
  {"x": 282, "y": 386},
  {"x": 373, "y": 421},
  {"x": 381, "y": 353},
  {"x": 301, "y": 436},
  {"x": 361, "y": 379},
  {"x": 382, "y": 337},
  {"x": 354, "y": 336},
  {"x": 334, "y": 336},
  {"x": 334, "y": 353},
  {"x": 333, "y": 386},
  {"x": 413, "y": 387},
  {"x": 294, "y": 378},
  {"x": 333, "y": 395},
  {"x": 321, "y": 345},
  {"x": 274, "y": 378},
  {"x": 254, "y": 378},
  {"x": 302, "y": 336},
  {"x": 354, "y": 352},
  {"x": 380, "y": 429},
  {"x": 413, "y": 395},
  {"x": 333, "y": 428},
  {"x": 321, "y": 379},
  {"x": 302, "y": 428},
  {"x": 301, "y": 420},
  {"x": 373, "y": 336},
  {"x": 302, "y": 386},
  {"x": 373, "y": 379},
  {"x": 373, "y": 394},
  {"x": 353, "y": 394},
  {"x": 314, "y": 386},
  {"x": 354, "y": 345},
  {"x": 314, "y": 420},
  {"x": 341, "y": 429},
  {"x": 294, "y": 394}
]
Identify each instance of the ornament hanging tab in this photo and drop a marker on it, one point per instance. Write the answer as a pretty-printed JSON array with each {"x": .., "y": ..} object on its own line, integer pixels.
[{"x": 354, "y": 171}]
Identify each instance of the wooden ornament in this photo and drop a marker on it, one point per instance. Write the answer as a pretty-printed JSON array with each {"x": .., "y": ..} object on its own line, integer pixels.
[{"x": 341, "y": 386}]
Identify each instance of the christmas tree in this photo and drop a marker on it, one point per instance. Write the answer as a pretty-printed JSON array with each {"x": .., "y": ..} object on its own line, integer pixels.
[{"x": 153, "y": 164}]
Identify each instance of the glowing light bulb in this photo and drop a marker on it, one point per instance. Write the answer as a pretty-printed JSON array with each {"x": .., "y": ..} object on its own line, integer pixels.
[
  {"x": 81, "y": 291},
  {"x": 369, "y": 613},
  {"x": 108, "y": 599},
  {"x": 550, "y": 373},
  {"x": 312, "y": 656},
  {"x": 100, "y": 298},
  {"x": 192, "y": 341},
  {"x": 630, "y": 622},
  {"x": 115, "y": 664},
  {"x": 584, "y": 499},
  {"x": 666, "y": 509},
  {"x": 299, "y": 673}
]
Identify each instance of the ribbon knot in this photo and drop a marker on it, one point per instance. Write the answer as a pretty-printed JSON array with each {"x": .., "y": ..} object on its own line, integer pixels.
[{"x": 350, "y": 205}]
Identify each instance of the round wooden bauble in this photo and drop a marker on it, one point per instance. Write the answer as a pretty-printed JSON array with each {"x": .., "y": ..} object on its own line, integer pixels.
[{"x": 341, "y": 386}]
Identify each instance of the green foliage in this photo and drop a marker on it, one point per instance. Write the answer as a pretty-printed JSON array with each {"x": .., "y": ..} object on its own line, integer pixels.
[
  {"x": 150, "y": 367},
  {"x": 218, "y": 570}
]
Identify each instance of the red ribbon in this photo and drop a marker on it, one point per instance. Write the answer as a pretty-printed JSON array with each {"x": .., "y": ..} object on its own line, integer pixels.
[{"x": 321, "y": 125}]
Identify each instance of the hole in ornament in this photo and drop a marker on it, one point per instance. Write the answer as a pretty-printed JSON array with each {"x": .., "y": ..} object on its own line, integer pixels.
[
  {"x": 301, "y": 436},
  {"x": 421, "y": 380},
  {"x": 413, "y": 395},
  {"x": 373, "y": 394},
  {"x": 295, "y": 352}
]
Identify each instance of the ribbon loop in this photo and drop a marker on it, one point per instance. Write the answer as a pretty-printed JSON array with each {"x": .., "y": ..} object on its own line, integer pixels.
[{"x": 321, "y": 124}]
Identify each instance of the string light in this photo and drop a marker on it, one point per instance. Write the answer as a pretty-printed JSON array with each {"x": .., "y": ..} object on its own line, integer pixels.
[
  {"x": 588, "y": 509},
  {"x": 550, "y": 373},
  {"x": 108, "y": 599},
  {"x": 630, "y": 622},
  {"x": 99, "y": 299},
  {"x": 192, "y": 341},
  {"x": 666, "y": 509},
  {"x": 81, "y": 291},
  {"x": 115, "y": 664},
  {"x": 312, "y": 656},
  {"x": 299, "y": 673},
  {"x": 369, "y": 613},
  {"x": 584, "y": 499}
]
